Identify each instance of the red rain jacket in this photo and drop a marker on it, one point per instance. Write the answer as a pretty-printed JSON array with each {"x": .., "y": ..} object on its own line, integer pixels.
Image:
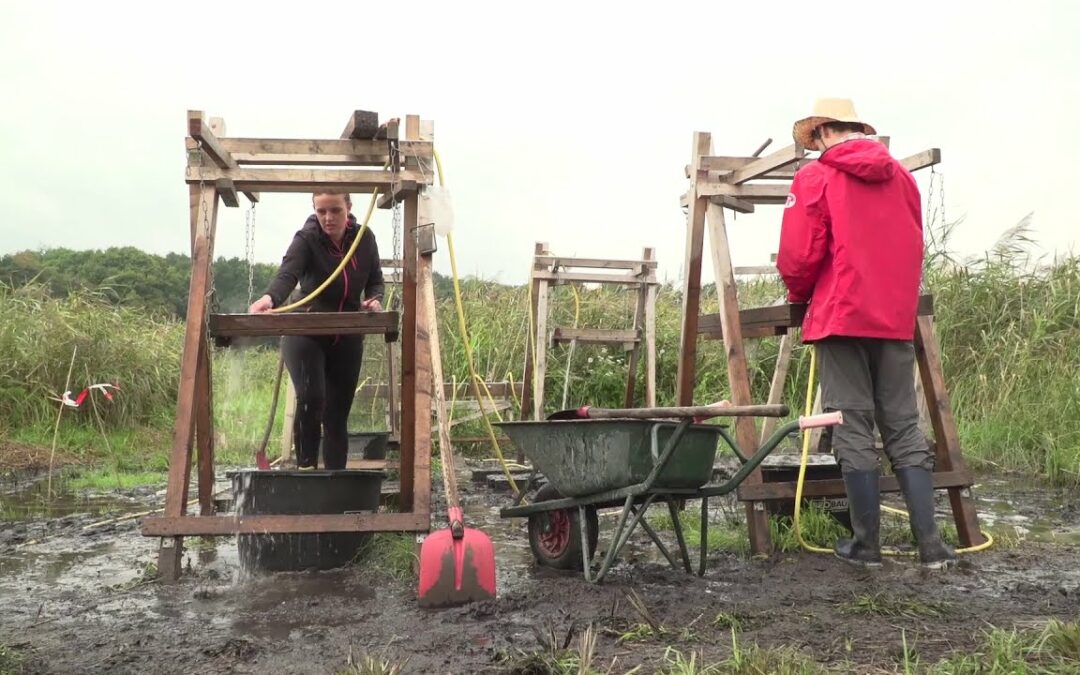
[{"x": 851, "y": 244}]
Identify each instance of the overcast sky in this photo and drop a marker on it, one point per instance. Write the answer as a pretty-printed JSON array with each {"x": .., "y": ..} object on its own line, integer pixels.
[{"x": 565, "y": 123}]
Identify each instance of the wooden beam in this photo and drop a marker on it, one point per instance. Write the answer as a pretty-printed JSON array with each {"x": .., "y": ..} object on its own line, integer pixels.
[
  {"x": 922, "y": 160},
  {"x": 947, "y": 439},
  {"x": 463, "y": 390},
  {"x": 762, "y": 166},
  {"x": 834, "y": 487},
  {"x": 404, "y": 188},
  {"x": 639, "y": 320},
  {"x": 539, "y": 249},
  {"x": 777, "y": 319},
  {"x": 691, "y": 291},
  {"x": 587, "y": 278},
  {"x": 320, "y": 151},
  {"x": 776, "y": 387},
  {"x": 599, "y": 336},
  {"x": 305, "y": 180},
  {"x": 650, "y": 345},
  {"x": 541, "y": 343},
  {"x": 227, "y": 192},
  {"x": 362, "y": 124},
  {"x": 199, "y": 129},
  {"x": 305, "y": 323},
  {"x": 165, "y": 526},
  {"x": 756, "y": 270},
  {"x": 595, "y": 263},
  {"x": 756, "y": 193}
]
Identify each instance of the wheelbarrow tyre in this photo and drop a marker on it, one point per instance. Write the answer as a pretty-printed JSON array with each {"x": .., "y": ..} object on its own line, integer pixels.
[{"x": 555, "y": 536}]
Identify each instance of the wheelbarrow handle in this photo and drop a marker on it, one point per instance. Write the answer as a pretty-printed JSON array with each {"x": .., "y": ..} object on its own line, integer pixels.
[
  {"x": 700, "y": 412},
  {"x": 823, "y": 420}
]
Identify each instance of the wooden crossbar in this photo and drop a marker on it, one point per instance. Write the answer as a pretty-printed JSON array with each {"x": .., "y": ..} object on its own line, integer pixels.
[
  {"x": 597, "y": 336},
  {"x": 305, "y": 323},
  {"x": 164, "y": 526},
  {"x": 776, "y": 320},
  {"x": 595, "y": 263},
  {"x": 306, "y": 180}
]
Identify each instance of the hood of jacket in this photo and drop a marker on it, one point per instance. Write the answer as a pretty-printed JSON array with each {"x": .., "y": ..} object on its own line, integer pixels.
[{"x": 864, "y": 159}]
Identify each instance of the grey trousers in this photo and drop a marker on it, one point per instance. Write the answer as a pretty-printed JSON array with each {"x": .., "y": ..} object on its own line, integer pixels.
[{"x": 872, "y": 382}]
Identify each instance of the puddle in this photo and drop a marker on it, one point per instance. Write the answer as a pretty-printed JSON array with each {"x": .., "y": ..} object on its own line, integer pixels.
[{"x": 31, "y": 501}]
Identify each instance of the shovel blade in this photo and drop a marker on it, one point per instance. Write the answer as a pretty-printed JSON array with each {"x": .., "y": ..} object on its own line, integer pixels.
[{"x": 455, "y": 572}]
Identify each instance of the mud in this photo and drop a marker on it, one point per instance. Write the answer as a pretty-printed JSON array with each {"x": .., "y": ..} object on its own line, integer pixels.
[{"x": 78, "y": 599}]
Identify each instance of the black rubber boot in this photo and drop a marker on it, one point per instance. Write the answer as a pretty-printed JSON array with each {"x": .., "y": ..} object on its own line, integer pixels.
[
  {"x": 864, "y": 504},
  {"x": 917, "y": 485}
]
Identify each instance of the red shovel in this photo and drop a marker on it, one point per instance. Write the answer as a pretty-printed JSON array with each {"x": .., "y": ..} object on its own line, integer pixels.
[{"x": 457, "y": 564}]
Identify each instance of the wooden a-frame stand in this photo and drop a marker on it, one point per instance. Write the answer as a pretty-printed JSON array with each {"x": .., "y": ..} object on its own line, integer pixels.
[
  {"x": 550, "y": 270},
  {"x": 367, "y": 157},
  {"x": 740, "y": 183}
]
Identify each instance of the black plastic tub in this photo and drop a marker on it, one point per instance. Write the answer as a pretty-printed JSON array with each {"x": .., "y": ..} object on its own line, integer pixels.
[
  {"x": 303, "y": 493},
  {"x": 368, "y": 444}
]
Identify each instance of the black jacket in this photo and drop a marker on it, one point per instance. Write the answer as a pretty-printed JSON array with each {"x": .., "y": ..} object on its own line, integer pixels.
[{"x": 312, "y": 258}]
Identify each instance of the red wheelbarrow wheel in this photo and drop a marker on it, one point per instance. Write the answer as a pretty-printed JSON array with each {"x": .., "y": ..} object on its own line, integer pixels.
[{"x": 555, "y": 536}]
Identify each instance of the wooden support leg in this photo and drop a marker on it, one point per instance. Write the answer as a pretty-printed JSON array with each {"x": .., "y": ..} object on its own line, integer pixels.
[
  {"x": 393, "y": 391},
  {"x": 408, "y": 364},
  {"x": 650, "y": 347},
  {"x": 204, "y": 429},
  {"x": 948, "y": 454},
  {"x": 779, "y": 379},
  {"x": 171, "y": 550},
  {"x": 639, "y": 321},
  {"x": 541, "y": 349},
  {"x": 738, "y": 374}
]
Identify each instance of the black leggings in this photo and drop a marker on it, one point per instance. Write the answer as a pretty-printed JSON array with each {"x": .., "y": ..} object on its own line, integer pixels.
[{"x": 324, "y": 371}]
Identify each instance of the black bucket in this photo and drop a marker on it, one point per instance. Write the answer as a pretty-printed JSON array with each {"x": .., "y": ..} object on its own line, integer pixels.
[
  {"x": 780, "y": 471},
  {"x": 303, "y": 493},
  {"x": 368, "y": 444}
]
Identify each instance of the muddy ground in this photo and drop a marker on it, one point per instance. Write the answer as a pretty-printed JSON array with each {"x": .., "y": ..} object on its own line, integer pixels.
[{"x": 77, "y": 599}]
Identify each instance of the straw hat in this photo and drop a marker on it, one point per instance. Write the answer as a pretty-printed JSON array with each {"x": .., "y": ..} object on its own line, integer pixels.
[{"x": 827, "y": 110}]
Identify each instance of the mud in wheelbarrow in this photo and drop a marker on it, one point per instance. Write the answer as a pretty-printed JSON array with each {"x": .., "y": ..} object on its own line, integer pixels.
[{"x": 604, "y": 463}]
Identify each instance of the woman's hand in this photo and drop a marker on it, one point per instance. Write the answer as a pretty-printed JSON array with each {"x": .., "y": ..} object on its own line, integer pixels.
[
  {"x": 262, "y": 305},
  {"x": 372, "y": 305}
]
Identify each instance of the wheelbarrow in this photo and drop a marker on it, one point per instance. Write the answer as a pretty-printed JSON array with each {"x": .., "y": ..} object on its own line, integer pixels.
[{"x": 618, "y": 460}]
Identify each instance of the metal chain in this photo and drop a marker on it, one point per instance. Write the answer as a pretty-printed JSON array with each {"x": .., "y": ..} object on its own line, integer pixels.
[
  {"x": 396, "y": 225},
  {"x": 249, "y": 251}
]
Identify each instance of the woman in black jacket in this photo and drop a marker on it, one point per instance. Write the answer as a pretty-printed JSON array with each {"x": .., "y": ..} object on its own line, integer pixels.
[{"x": 325, "y": 368}]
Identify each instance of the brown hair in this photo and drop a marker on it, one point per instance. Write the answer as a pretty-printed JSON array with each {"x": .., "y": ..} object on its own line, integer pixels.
[{"x": 348, "y": 199}]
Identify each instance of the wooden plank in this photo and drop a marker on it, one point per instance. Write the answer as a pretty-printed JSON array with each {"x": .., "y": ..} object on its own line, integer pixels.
[
  {"x": 764, "y": 165},
  {"x": 734, "y": 203},
  {"x": 691, "y": 291},
  {"x": 756, "y": 270},
  {"x": 387, "y": 198},
  {"x": 422, "y": 383},
  {"x": 464, "y": 391},
  {"x": 227, "y": 192},
  {"x": 541, "y": 346},
  {"x": 199, "y": 129},
  {"x": 333, "y": 151},
  {"x": 305, "y": 323},
  {"x": 738, "y": 374},
  {"x": 372, "y": 464},
  {"x": 306, "y": 180},
  {"x": 776, "y": 319},
  {"x": 539, "y": 249},
  {"x": 834, "y": 487},
  {"x": 604, "y": 336},
  {"x": 639, "y": 319},
  {"x": 650, "y": 346},
  {"x": 393, "y": 394},
  {"x": 163, "y": 526},
  {"x": 170, "y": 551},
  {"x": 947, "y": 439},
  {"x": 922, "y": 160},
  {"x": 595, "y": 263},
  {"x": 250, "y": 159},
  {"x": 204, "y": 428},
  {"x": 586, "y": 277},
  {"x": 755, "y": 193},
  {"x": 362, "y": 124}
]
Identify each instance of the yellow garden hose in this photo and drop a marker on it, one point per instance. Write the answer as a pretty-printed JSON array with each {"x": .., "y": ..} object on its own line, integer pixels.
[
  {"x": 463, "y": 328},
  {"x": 802, "y": 477}
]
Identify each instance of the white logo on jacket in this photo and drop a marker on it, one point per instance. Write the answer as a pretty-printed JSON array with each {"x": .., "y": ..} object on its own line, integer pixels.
[{"x": 790, "y": 200}]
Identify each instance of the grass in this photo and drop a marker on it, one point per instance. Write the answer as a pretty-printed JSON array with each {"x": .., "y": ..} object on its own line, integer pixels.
[
  {"x": 392, "y": 553},
  {"x": 105, "y": 479},
  {"x": 886, "y": 604},
  {"x": 10, "y": 660},
  {"x": 1010, "y": 337}
]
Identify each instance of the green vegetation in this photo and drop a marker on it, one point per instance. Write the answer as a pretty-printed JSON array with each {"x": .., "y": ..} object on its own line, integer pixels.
[{"x": 1010, "y": 338}]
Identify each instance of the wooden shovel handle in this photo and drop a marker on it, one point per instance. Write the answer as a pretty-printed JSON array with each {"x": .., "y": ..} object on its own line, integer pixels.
[{"x": 700, "y": 411}]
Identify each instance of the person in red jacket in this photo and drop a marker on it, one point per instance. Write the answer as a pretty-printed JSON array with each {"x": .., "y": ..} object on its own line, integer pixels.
[{"x": 851, "y": 245}]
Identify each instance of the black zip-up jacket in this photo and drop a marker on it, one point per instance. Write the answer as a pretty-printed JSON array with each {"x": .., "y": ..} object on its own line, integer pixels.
[{"x": 311, "y": 259}]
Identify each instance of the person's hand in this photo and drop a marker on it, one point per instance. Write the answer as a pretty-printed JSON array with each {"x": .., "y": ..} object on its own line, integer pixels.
[
  {"x": 372, "y": 305},
  {"x": 262, "y": 305}
]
